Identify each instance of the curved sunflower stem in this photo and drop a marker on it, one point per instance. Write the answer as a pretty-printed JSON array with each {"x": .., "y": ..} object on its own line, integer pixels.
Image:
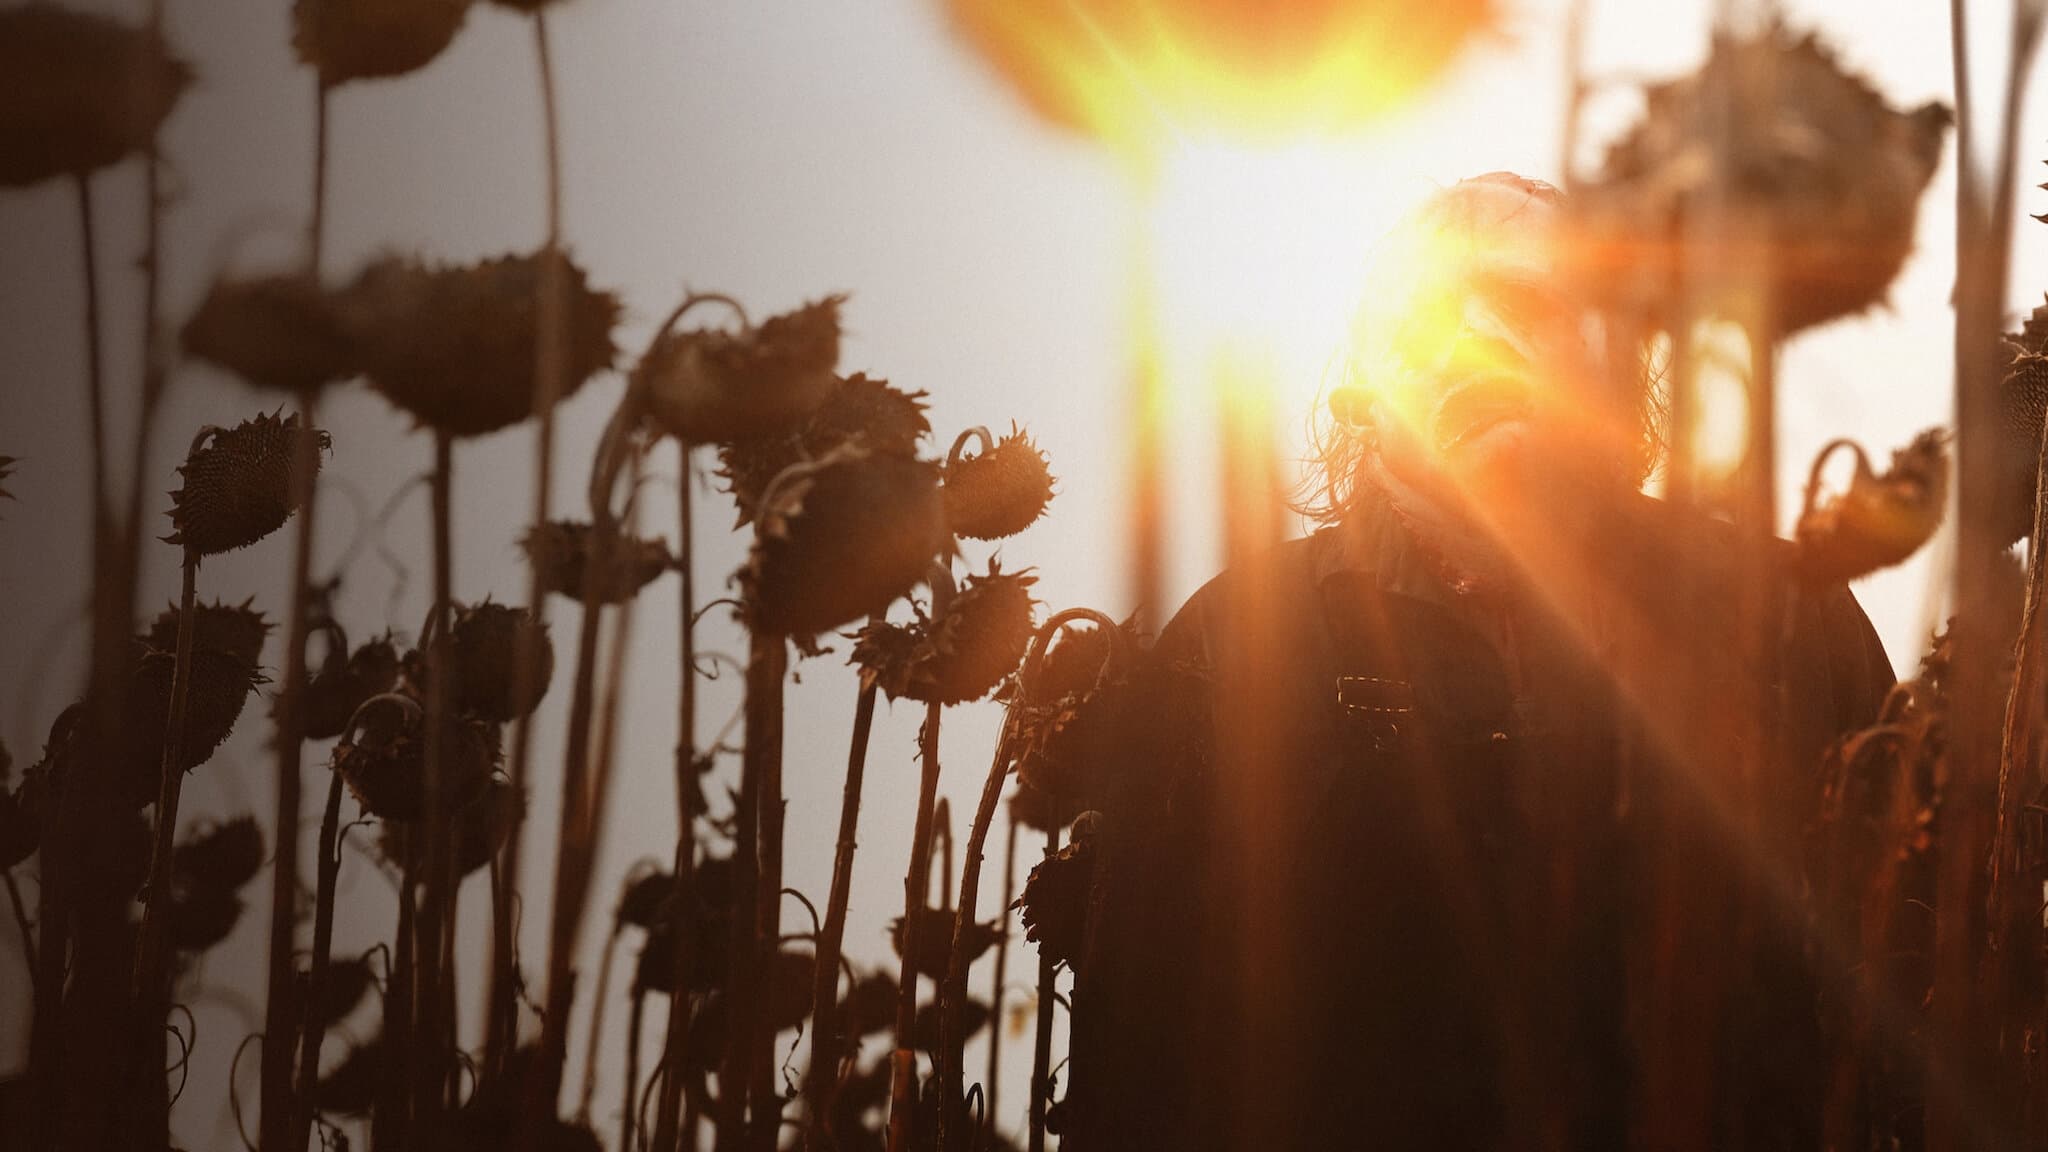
[
  {"x": 822, "y": 1079},
  {"x": 674, "y": 1049},
  {"x": 996, "y": 994},
  {"x": 327, "y": 869},
  {"x": 979, "y": 436},
  {"x": 916, "y": 886},
  {"x": 597, "y": 1003},
  {"x": 628, "y": 1114}
]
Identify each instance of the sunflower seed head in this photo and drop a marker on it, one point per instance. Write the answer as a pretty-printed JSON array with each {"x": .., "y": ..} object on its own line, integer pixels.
[
  {"x": 82, "y": 92},
  {"x": 348, "y": 40},
  {"x": 237, "y": 629},
  {"x": 560, "y": 551},
  {"x": 224, "y": 856},
  {"x": 1881, "y": 519},
  {"x": 482, "y": 651},
  {"x": 272, "y": 331},
  {"x": 455, "y": 347},
  {"x": 861, "y": 411},
  {"x": 712, "y": 386},
  {"x": 1000, "y": 492},
  {"x": 238, "y": 485}
]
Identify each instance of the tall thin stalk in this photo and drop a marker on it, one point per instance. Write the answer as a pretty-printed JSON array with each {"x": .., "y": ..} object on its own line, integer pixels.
[
  {"x": 822, "y": 1078},
  {"x": 280, "y": 1025},
  {"x": 628, "y": 1114},
  {"x": 431, "y": 1059},
  {"x": 327, "y": 870},
  {"x": 501, "y": 1015},
  {"x": 1041, "y": 1046},
  {"x": 170, "y": 787},
  {"x": 991, "y": 1087},
  {"x": 767, "y": 669},
  {"x": 916, "y": 885},
  {"x": 682, "y": 898}
]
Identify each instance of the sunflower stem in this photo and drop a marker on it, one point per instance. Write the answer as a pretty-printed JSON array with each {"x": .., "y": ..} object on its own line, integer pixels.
[
  {"x": 170, "y": 787},
  {"x": 313, "y": 1032},
  {"x": 667, "y": 1137},
  {"x": 995, "y": 1002},
  {"x": 916, "y": 889},
  {"x": 596, "y": 1032},
  {"x": 628, "y": 1114},
  {"x": 767, "y": 668},
  {"x": 1041, "y": 1049},
  {"x": 953, "y": 988},
  {"x": 823, "y": 1075},
  {"x": 431, "y": 1059}
]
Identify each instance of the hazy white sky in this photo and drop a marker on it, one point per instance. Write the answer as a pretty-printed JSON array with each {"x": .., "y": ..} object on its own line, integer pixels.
[{"x": 778, "y": 150}]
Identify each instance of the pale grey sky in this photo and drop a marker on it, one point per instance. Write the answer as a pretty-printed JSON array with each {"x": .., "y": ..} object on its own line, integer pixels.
[{"x": 778, "y": 150}]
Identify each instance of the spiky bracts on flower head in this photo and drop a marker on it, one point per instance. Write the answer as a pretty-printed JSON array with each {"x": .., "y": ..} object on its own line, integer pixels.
[
  {"x": 999, "y": 492},
  {"x": 1054, "y": 904},
  {"x": 839, "y": 538},
  {"x": 1819, "y": 177},
  {"x": 975, "y": 642},
  {"x": 82, "y": 92},
  {"x": 272, "y": 331},
  {"x": 345, "y": 680},
  {"x": 559, "y": 551},
  {"x": 867, "y": 412},
  {"x": 714, "y": 386},
  {"x": 382, "y": 758},
  {"x": 454, "y": 347},
  {"x": 935, "y": 940},
  {"x": 221, "y": 682},
  {"x": 348, "y": 40},
  {"x": 1060, "y": 712},
  {"x": 482, "y": 827},
  {"x": 238, "y": 484},
  {"x": 238, "y": 629}
]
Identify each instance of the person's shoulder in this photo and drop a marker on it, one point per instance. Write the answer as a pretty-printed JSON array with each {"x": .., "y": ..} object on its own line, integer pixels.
[{"x": 1284, "y": 574}]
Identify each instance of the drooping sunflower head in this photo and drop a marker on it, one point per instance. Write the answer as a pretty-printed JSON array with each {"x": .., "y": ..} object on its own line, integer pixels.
[
  {"x": 240, "y": 483},
  {"x": 82, "y": 92}
]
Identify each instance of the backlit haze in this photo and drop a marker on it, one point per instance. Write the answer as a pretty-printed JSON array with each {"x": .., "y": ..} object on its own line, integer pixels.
[{"x": 780, "y": 150}]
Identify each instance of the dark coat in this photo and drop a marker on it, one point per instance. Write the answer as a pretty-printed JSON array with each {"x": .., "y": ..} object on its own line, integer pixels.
[{"x": 1384, "y": 866}]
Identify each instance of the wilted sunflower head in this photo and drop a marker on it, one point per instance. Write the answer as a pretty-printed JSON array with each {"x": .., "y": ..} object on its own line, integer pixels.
[
  {"x": 81, "y": 92},
  {"x": 275, "y": 331},
  {"x": 935, "y": 940},
  {"x": 483, "y": 825},
  {"x": 372, "y": 39},
  {"x": 1882, "y": 519},
  {"x": 239, "y": 484},
  {"x": 560, "y": 551},
  {"x": 2023, "y": 404},
  {"x": 1054, "y": 905},
  {"x": 221, "y": 682},
  {"x": 382, "y": 758},
  {"x": 481, "y": 653},
  {"x": 344, "y": 681},
  {"x": 455, "y": 346},
  {"x": 1001, "y": 490},
  {"x": 714, "y": 386},
  {"x": 861, "y": 410},
  {"x": 238, "y": 629},
  {"x": 1820, "y": 179},
  {"x": 224, "y": 856},
  {"x": 963, "y": 652},
  {"x": 1062, "y": 706},
  {"x": 839, "y": 538}
]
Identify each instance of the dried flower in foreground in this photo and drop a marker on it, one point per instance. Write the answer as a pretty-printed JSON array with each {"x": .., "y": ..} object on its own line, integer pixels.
[
  {"x": 707, "y": 386},
  {"x": 840, "y": 538},
  {"x": 999, "y": 492},
  {"x": 869, "y": 413},
  {"x": 382, "y": 758},
  {"x": 344, "y": 681},
  {"x": 372, "y": 39},
  {"x": 272, "y": 331},
  {"x": 81, "y": 92},
  {"x": 1054, "y": 905},
  {"x": 455, "y": 346},
  {"x": 238, "y": 484},
  {"x": 1881, "y": 519},
  {"x": 237, "y": 629},
  {"x": 1060, "y": 714},
  {"x": 482, "y": 827},
  {"x": 963, "y": 654},
  {"x": 221, "y": 684},
  {"x": 2023, "y": 404},
  {"x": 1820, "y": 180},
  {"x": 482, "y": 652},
  {"x": 560, "y": 551}
]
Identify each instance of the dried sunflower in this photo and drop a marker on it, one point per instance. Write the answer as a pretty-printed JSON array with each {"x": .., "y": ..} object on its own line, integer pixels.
[
  {"x": 482, "y": 827},
  {"x": 221, "y": 683},
  {"x": 344, "y": 681},
  {"x": 999, "y": 492},
  {"x": 645, "y": 900},
  {"x": 237, "y": 629},
  {"x": 560, "y": 551},
  {"x": 238, "y": 484},
  {"x": 372, "y": 39},
  {"x": 348, "y": 981},
  {"x": 226, "y": 855},
  {"x": 382, "y": 758},
  {"x": 202, "y": 917},
  {"x": 1880, "y": 520},
  {"x": 871, "y": 413},
  {"x": 708, "y": 386},
  {"x": 976, "y": 640},
  {"x": 2023, "y": 402},
  {"x": 1061, "y": 714},
  {"x": 481, "y": 652},
  {"x": 1054, "y": 905},
  {"x": 935, "y": 941},
  {"x": 839, "y": 538},
  {"x": 454, "y": 346},
  {"x": 1818, "y": 182},
  {"x": 924, "y": 1029},
  {"x": 272, "y": 331},
  {"x": 81, "y": 92}
]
